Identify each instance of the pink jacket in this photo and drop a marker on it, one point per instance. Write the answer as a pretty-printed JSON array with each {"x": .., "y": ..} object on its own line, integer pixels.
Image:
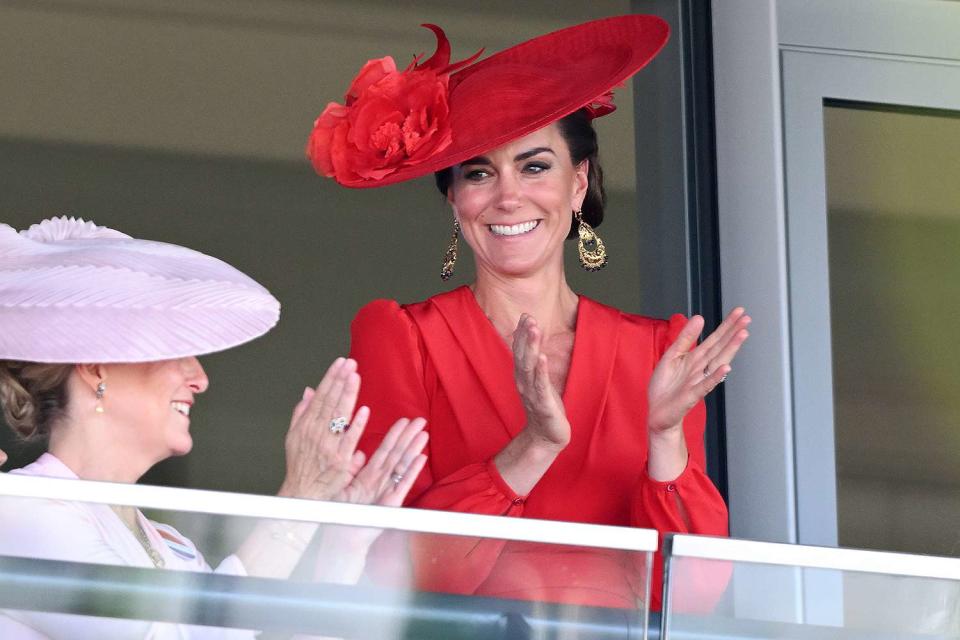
[{"x": 89, "y": 532}]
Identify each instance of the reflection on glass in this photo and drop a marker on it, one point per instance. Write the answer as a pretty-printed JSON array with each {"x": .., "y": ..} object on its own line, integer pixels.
[
  {"x": 350, "y": 581},
  {"x": 893, "y": 200}
]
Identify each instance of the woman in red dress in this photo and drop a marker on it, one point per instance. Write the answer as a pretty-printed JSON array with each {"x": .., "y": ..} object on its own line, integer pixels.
[{"x": 540, "y": 403}]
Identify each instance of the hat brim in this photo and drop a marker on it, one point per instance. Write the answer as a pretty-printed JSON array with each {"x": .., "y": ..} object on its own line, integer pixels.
[
  {"x": 532, "y": 85},
  {"x": 72, "y": 292}
]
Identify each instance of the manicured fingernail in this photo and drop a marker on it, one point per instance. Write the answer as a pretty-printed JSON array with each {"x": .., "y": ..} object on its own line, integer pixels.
[{"x": 306, "y": 393}]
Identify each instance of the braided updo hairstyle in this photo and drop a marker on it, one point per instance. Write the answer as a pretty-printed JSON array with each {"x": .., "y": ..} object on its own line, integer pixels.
[
  {"x": 33, "y": 396},
  {"x": 578, "y": 132}
]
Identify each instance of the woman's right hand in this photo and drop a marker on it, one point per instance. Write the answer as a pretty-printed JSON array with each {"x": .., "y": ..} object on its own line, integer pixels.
[
  {"x": 528, "y": 456},
  {"x": 323, "y": 464},
  {"x": 388, "y": 476},
  {"x": 385, "y": 480},
  {"x": 546, "y": 416}
]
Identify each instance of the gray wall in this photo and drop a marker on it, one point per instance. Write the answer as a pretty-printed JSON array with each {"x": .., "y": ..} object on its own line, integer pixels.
[{"x": 221, "y": 183}]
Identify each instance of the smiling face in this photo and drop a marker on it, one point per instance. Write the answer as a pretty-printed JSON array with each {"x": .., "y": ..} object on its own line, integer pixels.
[
  {"x": 150, "y": 404},
  {"x": 515, "y": 203}
]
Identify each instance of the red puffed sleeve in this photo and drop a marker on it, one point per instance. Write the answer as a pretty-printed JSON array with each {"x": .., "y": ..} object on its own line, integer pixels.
[
  {"x": 389, "y": 354},
  {"x": 398, "y": 380},
  {"x": 690, "y": 503}
]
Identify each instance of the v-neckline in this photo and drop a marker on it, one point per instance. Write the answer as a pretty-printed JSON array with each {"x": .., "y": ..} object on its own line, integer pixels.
[
  {"x": 508, "y": 352},
  {"x": 487, "y": 368}
]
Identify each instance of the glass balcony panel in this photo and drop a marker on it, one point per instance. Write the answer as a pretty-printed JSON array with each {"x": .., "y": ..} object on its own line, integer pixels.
[
  {"x": 70, "y": 567},
  {"x": 796, "y": 591}
]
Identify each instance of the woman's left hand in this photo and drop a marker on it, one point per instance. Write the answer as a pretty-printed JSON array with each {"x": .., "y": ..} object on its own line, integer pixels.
[{"x": 687, "y": 372}]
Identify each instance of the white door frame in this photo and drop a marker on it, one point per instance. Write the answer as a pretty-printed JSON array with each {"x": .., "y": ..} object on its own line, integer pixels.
[
  {"x": 772, "y": 494},
  {"x": 809, "y": 79}
]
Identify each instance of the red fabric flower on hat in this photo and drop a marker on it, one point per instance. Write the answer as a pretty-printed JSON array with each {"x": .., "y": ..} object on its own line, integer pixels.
[{"x": 390, "y": 119}]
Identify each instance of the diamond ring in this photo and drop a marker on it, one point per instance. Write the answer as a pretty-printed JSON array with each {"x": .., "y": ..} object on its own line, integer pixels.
[{"x": 338, "y": 425}]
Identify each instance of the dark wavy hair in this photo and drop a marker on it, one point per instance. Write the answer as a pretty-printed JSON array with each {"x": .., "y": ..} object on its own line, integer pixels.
[{"x": 577, "y": 130}]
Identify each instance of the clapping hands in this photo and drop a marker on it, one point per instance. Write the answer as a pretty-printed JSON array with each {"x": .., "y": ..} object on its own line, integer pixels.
[
  {"x": 687, "y": 372},
  {"x": 546, "y": 416},
  {"x": 321, "y": 446},
  {"x": 531, "y": 452}
]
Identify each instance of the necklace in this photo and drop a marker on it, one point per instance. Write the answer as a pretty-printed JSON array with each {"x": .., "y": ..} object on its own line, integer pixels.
[{"x": 142, "y": 538}]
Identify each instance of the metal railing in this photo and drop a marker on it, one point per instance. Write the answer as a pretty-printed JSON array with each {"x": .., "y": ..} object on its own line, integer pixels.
[{"x": 258, "y": 506}]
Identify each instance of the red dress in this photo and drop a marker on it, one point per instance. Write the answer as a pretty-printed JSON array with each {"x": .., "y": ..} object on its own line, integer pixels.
[{"x": 443, "y": 360}]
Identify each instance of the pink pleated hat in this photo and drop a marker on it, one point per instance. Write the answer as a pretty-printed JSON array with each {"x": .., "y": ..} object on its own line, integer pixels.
[{"x": 72, "y": 291}]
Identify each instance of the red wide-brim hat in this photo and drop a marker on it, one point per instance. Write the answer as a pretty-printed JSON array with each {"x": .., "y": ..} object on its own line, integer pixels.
[{"x": 397, "y": 125}]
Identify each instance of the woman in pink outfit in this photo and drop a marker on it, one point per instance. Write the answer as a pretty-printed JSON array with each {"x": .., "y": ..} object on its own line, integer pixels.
[{"x": 99, "y": 335}]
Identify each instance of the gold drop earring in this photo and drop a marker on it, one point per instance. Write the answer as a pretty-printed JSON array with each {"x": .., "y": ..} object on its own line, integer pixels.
[
  {"x": 101, "y": 389},
  {"x": 593, "y": 253},
  {"x": 450, "y": 257}
]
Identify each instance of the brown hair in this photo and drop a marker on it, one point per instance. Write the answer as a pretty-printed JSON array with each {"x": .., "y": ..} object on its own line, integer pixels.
[
  {"x": 33, "y": 396},
  {"x": 578, "y": 132}
]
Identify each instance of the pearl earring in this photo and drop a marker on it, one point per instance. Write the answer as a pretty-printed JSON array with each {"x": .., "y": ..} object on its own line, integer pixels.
[{"x": 101, "y": 389}]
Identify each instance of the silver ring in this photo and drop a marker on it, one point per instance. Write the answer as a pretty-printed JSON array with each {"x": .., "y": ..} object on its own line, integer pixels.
[
  {"x": 723, "y": 379},
  {"x": 396, "y": 478},
  {"x": 338, "y": 425},
  {"x": 706, "y": 372}
]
